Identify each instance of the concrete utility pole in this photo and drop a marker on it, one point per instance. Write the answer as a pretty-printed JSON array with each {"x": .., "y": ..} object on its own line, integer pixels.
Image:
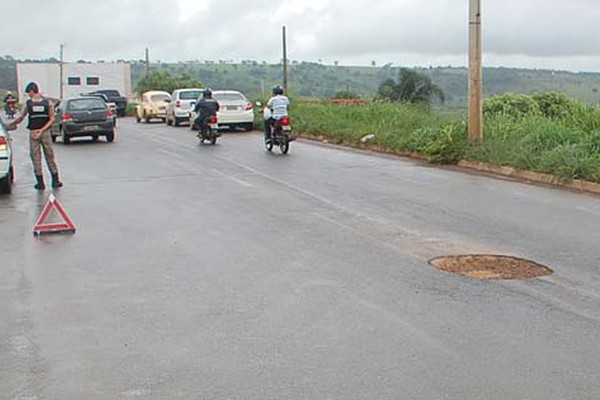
[
  {"x": 147, "y": 62},
  {"x": 285, "y": 76},
  {"x": 475, "y": 74},
  {"x": 62, "y": 72}
]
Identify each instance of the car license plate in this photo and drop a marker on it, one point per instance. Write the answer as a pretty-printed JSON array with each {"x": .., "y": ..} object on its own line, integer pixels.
[
  {"x": 231, "y": 108},
  {"x": 90, "y": 128}
]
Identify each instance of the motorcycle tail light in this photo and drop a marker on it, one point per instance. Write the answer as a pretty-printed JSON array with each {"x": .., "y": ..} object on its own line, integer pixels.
[
  {"x": 109, "y": 114},
  {"x": 285, "y": 121}
]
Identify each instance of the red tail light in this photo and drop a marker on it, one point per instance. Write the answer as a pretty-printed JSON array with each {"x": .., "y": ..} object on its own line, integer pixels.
[
  {"x": 67, "y": 117},
  {"x": 248, "y": 106},
  {"x": 11, "y": 106},
  {"x": 212, "y": 119},
  {"x": 285, "y": 121},
  {"x": 178, "y": 104},
  {"x": 2, "y": 141},
  {"x": 109, "y": 114}
]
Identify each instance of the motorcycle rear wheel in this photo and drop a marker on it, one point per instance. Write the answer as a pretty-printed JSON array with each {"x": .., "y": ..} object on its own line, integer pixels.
[{"x": 284, "y": 144}]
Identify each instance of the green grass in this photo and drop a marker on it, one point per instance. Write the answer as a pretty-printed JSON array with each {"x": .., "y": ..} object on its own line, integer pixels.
[{"x": 567, "y": 147}]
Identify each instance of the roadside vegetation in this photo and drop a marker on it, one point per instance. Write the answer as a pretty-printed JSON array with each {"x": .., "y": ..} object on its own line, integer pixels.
[{"x": 544, "y": 132}]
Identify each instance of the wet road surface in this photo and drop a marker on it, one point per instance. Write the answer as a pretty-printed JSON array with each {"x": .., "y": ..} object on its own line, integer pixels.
[{"x": 226, "y": 272}]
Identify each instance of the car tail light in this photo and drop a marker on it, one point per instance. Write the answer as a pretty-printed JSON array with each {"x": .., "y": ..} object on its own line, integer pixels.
[
  {"x": 178, "y": 104},
  {"x": 3, "y": 145},
  {"x": 285, "y": 121},
  {"x": 67, "y": 117},
  {"x": 109, "y": 114},
  {"x": 212, "y": 119},
  {"x": 248, "y": 106}
]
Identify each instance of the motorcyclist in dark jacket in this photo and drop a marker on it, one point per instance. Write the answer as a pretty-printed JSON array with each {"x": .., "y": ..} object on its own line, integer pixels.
[{"x": 205, "y": 108}]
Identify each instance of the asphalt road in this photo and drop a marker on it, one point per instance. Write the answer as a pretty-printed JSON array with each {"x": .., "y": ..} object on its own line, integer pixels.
[{"x": 226, "y": 272}]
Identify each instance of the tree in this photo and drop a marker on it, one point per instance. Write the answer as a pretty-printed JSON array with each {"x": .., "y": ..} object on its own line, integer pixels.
[
  {"x": 162, "y": 80},
  {"x": 412, "y": 87}
]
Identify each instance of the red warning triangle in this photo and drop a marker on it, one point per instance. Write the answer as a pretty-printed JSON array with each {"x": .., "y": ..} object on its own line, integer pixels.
[{"x": 42, "y": 227}]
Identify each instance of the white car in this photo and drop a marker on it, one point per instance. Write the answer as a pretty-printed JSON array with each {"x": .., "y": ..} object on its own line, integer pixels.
[
  {"x": 6, "y": 163},
  {"x": 234, "y": 110},
  {"x": 180, "y": 105}
]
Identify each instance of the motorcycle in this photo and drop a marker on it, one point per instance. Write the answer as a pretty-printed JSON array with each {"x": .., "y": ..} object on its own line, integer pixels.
[
  {"x": 281, "y": 135},
  {"x": 10, "y": 110},
  {"x": 209, "y": 130}
]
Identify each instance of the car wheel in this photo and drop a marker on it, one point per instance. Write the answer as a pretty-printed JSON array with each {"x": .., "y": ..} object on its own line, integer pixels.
[
  {"x": 137, "y": 118},
  {"x": 110, "y": 137},
  {"x": 146, "y": 118},
  {"x": 94, "y": 138},
  {"x": 249, "y": 127},
  {"x": 169, "y": 122},
  {"x": 65, "y": 138},
  {"x": 6, "y": 183}
]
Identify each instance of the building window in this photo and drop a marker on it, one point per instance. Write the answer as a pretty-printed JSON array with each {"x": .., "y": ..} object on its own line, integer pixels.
[
  {"x": 93, "y": 81},
  {"x": 74, "y": 80}
]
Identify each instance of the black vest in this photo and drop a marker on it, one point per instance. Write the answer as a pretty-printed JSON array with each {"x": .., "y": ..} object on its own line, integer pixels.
[{"x": 39, "y": 113}]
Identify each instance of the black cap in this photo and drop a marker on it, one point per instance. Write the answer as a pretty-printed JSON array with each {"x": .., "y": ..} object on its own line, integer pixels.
[{"x": 32, "y": 86}]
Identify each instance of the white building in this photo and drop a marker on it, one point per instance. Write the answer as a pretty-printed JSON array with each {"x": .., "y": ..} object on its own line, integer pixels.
[{"x": 78, "y": 78}]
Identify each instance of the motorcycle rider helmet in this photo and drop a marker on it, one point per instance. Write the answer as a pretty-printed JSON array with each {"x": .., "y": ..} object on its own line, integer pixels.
[
  {"x": 277, "y": 90},
  {"x": 207, "y": 93}
]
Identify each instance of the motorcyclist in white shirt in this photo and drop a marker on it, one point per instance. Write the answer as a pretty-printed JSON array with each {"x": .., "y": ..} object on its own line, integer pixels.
[{"x": 278, "y": 104}]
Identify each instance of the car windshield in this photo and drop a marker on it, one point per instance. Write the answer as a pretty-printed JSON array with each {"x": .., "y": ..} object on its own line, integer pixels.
[
  {"x": 229, "y": 96},
  {"x": 86, "y": 104},
  {"x": 159, "y": 97},
  {"x": 190, "y": 94}
]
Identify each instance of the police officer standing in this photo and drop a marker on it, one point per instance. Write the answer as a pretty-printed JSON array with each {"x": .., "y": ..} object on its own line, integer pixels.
[{"x": 41, "y": 117}]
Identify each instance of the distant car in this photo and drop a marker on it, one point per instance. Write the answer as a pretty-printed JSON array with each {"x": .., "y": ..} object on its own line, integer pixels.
[
  {"x": 6, "y": 163},
  {"x": 115, "y": 97},
  {"x": 154, "y": 105},
  {"x": 180, "y": 106},
  {"x": 234, "y": 110},
  {"x": 82, "y": 116},
  {"x": 111, "y": 105}
]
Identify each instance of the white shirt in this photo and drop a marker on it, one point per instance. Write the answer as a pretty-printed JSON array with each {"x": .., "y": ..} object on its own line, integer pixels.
[{"x": 279, "y": 105}]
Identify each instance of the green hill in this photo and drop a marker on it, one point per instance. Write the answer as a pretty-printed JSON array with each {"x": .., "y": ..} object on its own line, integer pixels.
[{"x": 314, "y": 80}]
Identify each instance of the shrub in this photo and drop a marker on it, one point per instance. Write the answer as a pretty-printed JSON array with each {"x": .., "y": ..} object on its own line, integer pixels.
[
  {"x": 556, "y": 105},
  {"x": 510, "y": 105}
]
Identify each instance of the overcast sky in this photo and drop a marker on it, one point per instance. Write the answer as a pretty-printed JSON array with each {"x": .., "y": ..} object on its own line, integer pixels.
[{"x": 516, "y": 33}]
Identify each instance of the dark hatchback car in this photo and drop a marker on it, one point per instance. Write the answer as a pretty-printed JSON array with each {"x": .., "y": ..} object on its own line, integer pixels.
[{"x": 83, "y": 116}]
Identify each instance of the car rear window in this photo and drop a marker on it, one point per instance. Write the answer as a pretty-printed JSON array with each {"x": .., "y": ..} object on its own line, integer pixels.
[
  {"x": 190, "y": 95},
  {"x": 86, "y": 104},
  {"x": 159, "y": 97},
  {"x": 229, "y": 96}
]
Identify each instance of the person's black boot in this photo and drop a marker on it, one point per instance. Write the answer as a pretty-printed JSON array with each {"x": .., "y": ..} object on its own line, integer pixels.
[
  {"x": 56, "y": 183},
  {"x": 40, "y": 182}
]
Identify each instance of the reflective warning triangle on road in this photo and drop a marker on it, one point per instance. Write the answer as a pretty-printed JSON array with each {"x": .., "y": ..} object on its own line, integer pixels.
[{"x": 66, "y": 226}]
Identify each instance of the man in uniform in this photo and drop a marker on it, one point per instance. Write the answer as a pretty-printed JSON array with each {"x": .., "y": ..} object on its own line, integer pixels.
[{"x": 41, "y": 117}]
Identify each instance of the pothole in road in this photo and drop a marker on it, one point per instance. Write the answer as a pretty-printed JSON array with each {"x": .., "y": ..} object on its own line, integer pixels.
[{"x": 486, "y": 267}]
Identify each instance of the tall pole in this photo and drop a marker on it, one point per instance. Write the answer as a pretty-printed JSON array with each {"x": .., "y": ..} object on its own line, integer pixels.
[
  {"x": 62, "y": 72},
  {"x": 147, "y": 62},
  {"x": 285, "y": 72},
  {"x": 475, "y": 74}
]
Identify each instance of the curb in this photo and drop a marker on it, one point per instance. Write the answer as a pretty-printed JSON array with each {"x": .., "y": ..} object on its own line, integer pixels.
[
  {"x": 537, "y": 177},
  {"x": 510, "y": 172}
]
